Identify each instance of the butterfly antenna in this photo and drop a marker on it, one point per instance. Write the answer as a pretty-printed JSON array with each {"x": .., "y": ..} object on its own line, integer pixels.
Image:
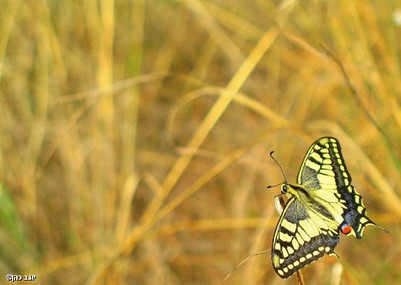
[{"x": 282, "y": 171}]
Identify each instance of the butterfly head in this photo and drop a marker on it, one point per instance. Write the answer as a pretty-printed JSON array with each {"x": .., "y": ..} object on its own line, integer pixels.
[{"x": 284, "y": 188}]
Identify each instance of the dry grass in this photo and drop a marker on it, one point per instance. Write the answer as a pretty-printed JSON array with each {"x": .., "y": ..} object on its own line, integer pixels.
[{"x": 135, "y": 135}]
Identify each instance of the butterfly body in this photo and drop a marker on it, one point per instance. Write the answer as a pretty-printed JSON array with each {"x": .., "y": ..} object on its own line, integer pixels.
[{"x": 322, "y": 204}]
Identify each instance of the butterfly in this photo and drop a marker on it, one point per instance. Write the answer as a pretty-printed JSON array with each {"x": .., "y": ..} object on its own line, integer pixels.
[{"x": 322, "y": 204}]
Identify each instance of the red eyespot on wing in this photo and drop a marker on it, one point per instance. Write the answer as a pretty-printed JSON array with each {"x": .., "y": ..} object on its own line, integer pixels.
[{"x": 346, "y": 229}]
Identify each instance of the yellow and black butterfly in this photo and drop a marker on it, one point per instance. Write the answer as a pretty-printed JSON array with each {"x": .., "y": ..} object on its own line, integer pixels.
[{"x": 322, "y": 204}]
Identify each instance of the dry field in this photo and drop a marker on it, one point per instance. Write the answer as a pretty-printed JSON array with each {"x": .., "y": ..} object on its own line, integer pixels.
[{"x": 135, "y": 135}]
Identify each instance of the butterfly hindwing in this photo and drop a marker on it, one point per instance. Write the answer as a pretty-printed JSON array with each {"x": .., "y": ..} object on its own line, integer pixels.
[
  {"x": 324, "y": 173},
  {"x": 322, "y": 204}
]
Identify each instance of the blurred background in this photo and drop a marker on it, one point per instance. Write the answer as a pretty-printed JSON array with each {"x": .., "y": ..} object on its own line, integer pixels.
[{"x": 135, "y": 135}]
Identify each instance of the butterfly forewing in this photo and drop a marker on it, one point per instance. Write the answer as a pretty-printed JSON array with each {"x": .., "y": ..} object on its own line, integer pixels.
[
  {"x": 298, "y": 240},
  {"x": 323, "y": 203}
]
